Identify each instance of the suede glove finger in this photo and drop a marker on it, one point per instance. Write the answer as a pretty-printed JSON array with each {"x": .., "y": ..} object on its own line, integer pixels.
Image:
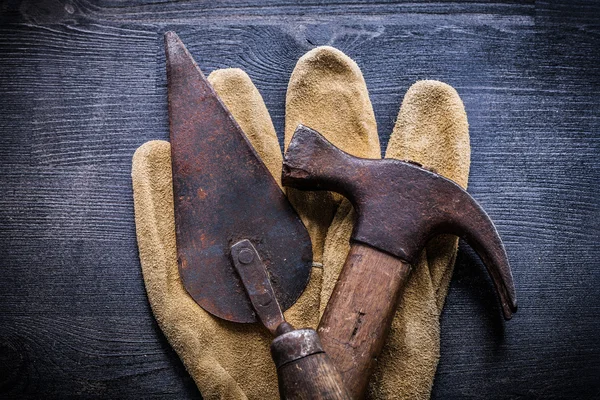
[
  {"x": 327, "y": 92},
  {"x": 431, "y": 129}
]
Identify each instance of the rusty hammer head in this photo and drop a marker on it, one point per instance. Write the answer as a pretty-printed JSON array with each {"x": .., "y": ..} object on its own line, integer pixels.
[{"x": 400, "y": 205}]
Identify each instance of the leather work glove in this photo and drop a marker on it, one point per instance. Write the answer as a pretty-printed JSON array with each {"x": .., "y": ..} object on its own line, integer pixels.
[{"x": 326, "y": 92}]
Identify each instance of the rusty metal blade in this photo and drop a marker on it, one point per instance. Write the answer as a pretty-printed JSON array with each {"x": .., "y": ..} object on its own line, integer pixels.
[{"x": 223, "y": 193}]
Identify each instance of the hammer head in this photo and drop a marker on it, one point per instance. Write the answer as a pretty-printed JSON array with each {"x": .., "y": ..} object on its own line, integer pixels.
[{"x": 400, "y": 205}]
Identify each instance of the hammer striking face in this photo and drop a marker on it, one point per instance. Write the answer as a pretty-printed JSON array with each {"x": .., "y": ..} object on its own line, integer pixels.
[{"x": 400, "y": 206}]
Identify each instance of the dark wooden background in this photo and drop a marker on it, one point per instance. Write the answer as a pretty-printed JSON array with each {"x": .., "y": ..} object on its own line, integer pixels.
[{"x": 82, "y": 85}]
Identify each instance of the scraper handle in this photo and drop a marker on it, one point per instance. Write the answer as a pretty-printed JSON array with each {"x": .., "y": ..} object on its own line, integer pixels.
[{"x": 304, "y": 370}]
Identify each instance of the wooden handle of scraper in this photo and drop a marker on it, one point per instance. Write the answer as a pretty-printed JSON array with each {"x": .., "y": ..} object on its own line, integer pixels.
[
  {"x": 359, "y": 314},
  {"x": 304, "y": 370}
]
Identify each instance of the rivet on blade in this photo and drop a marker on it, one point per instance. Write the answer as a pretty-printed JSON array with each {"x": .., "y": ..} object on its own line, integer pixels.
[{"x": 246, "y": 256}]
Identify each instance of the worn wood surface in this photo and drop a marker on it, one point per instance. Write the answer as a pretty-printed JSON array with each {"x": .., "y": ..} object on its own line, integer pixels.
[
  {"x": 371, "y": 281},
  {"x": 311, "y": 377},
  {"x": 82, "y": 84}
]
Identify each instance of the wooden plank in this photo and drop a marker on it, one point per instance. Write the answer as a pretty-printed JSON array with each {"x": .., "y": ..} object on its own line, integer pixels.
[{"x": 83, "y": 84}]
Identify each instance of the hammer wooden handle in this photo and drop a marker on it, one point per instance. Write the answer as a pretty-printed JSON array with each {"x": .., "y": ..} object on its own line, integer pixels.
[{"x": 359, "y": 314}]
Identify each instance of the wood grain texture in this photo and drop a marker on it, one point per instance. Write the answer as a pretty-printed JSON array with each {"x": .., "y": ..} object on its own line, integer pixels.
[
  {"x": 304, "y": 371},
  {"x": 299, "y": 380},
  {"x": 359, "y": 314},
  {"x": 82, "y": 84}
]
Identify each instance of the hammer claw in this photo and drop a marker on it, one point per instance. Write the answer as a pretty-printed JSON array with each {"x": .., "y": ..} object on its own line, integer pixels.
[{"x": 472, "y": 223}]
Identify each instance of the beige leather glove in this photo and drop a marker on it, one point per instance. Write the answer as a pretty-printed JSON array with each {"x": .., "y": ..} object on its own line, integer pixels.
[{"x": 326, "y": 92}]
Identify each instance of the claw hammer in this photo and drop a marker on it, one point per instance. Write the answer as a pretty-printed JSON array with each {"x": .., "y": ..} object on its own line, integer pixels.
[{"x": 400, "y": 206}]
